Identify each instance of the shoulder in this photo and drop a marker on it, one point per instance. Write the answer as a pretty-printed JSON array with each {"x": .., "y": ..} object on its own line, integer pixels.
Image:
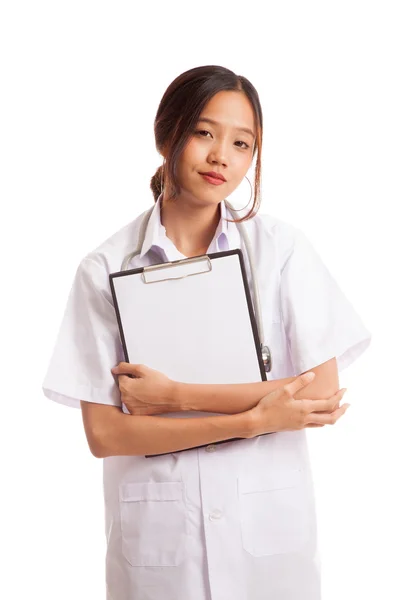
[
  {"x": 107, "y": 257},
  {"x": 276, "y": 235},
  {"x": 273, "y": 226},
  {"x": 111, "y": 252}
]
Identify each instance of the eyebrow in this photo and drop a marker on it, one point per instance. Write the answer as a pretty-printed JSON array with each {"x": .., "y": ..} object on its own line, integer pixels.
[{"x": 212, "y": 122}]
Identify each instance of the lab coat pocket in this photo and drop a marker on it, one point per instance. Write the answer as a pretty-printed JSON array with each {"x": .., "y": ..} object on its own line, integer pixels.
[
  {"x": 153, "y": 523},
  {"x": 274, "y": 512}
]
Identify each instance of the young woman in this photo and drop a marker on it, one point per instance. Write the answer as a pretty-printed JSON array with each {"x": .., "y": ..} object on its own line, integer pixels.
[{"x": 232, "y": 521}]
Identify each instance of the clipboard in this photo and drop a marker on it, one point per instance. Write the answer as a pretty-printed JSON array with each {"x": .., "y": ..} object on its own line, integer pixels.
[{"x": 191, "y": 319}]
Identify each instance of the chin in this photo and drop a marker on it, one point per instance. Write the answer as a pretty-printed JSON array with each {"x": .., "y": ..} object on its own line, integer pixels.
[
  {"x": 210, "y": 199},
  {"x": 205, "y": 196}
]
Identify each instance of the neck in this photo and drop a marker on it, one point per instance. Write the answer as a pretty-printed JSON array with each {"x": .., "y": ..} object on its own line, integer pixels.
[{"x": 191, "y": 228}]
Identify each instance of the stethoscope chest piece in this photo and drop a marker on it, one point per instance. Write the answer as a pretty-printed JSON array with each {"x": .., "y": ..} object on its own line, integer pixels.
[{"x": 267, "y": 358}]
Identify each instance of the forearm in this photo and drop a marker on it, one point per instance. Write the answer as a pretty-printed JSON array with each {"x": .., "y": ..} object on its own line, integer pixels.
[
  {"x": 239, "y": 397},
  {"x": 230, "y": 398},
  {"x": 128, "y": 435}
]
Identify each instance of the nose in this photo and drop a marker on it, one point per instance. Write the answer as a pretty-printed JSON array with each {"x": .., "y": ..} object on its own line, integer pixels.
[{"x": 218, "y": 155}]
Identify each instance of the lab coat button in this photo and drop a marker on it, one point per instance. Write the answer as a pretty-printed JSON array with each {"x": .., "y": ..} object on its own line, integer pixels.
[
  {"x": 211, "y": 448},
  {"x": 215, "y": 514}
]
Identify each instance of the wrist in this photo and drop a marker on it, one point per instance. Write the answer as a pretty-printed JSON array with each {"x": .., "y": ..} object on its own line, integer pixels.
[
  {"x": 249, "y": 421},
  {"x": 176, "y": 395}
]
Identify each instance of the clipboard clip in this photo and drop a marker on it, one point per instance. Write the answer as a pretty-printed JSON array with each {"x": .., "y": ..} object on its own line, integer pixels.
[{"x": 148, "y": 273}]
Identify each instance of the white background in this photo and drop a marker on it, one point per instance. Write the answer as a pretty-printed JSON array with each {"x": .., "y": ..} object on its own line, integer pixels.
[{"x": 81, "y": 82}]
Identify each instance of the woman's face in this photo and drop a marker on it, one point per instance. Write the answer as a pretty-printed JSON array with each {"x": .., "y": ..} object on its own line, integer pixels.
[{"x": 223, "y": 142}]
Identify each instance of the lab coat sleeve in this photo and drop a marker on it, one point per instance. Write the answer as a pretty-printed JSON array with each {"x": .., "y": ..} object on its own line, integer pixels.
[
  {"x": 88, "y": 343},
  {"x": 320, "y": 322}
]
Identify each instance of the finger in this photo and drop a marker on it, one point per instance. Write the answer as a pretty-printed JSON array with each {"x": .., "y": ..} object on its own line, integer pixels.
[
  {"x": 328, "y": 419},
  {"x": 124, "y": 380},
  {"x": 315, "y": 425},
  {"x": 300, "y": 382},
  {"x": 128, "y": 369},
  {"x": 326, "y": 405}
]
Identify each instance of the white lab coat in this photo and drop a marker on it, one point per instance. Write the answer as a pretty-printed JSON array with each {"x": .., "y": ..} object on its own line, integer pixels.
[{"x": 234, "y": 521}]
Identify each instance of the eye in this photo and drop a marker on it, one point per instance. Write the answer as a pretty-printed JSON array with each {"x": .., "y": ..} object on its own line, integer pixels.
[
  {"x": 245, "y": 145},
  {"x": 201, "y": 131}
]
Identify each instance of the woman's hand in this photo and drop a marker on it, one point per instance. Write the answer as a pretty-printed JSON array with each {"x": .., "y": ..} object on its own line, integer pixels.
[
  {"x": 148, "y": 393},
  {"x": 280, "y": 411}
]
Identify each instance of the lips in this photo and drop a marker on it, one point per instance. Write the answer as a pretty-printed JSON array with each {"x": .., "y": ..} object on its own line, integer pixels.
[
  {"x": 214, "y": 175},
  {"x": 212, "y": 180}
]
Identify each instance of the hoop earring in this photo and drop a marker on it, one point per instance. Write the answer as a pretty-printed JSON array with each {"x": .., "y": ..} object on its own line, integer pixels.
[
  {"x": 251, "y": 194},
  {"x": 162, "y": 177}
]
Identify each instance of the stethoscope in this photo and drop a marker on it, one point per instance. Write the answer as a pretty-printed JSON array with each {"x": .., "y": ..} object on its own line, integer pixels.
[{"x": 265, "y": 351}]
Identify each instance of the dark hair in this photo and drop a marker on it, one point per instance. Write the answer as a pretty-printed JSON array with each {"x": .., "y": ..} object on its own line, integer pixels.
[{"x": 179, "y": 111}]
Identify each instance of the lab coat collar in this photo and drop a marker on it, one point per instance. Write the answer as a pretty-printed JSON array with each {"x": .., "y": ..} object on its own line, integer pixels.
[{"x": 227, "y": 235}]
